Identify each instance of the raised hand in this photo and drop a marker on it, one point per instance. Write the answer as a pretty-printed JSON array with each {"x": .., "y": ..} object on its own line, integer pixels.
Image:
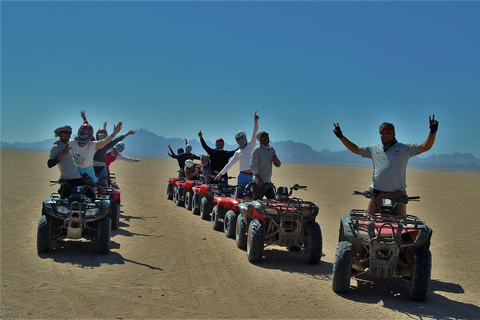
[
  {"x": 256, "y": 117},
  {"x": 433, "y": 124},
  {"x": 337, "y": 131}
]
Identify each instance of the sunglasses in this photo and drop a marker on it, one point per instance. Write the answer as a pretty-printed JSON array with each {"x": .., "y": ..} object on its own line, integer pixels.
[
  {"x": 65, "y": 132},
  {"x": 265, "y": 135}
]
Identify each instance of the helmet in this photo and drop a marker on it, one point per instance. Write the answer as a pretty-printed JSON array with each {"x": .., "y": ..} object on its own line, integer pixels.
[
  {"x": 101, "y": 134},
  {"x": 188, "y": 148},
  {"x": 241, "y": 138},
  {"x": 85, "y": 133},
  {"x": 119, "y": 147},
  {"x": 204, "y": 158},
  {"x": 180, "y": 150},
  {"x": 189, "y": 163},
  {"x": 219, "y": 144}
]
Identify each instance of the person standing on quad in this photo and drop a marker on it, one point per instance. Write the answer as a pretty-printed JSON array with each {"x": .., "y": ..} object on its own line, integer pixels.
[
  {"x": 390, "y": 160},
  {"x": 261, "y": 161},
  {"x": 99, "y": 157},
  {"x": 244, "y": 154},
  {"x": 218, "y": 157},
  {"x": 61, "y": 154},
  {"x": 83, "y": 148},
  {"x": 182, "y": 157}
]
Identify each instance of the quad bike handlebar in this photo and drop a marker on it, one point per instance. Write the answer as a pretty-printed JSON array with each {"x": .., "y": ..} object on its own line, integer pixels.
[{"x": 370, "y": 194}]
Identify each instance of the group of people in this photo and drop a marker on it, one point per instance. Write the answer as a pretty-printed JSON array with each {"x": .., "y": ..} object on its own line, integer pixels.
[
  {"x": 87, "y": 157},
  {"x": 255, "y": 162},
  {"x": 389, "y": 159}
]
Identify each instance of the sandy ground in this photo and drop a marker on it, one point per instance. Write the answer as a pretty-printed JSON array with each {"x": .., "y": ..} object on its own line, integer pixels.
[{"x": 167, "y": 263}]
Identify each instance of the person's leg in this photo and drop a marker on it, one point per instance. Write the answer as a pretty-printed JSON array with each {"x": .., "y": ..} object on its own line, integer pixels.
[
  {"x": 269, "y": 193},
  {"x": 242, "y": 180},
  {"x": 258, "y": 192}
]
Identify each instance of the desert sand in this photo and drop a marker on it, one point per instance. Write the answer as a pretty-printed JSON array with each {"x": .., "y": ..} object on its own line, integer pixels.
[{"x": 166, "y": 263}]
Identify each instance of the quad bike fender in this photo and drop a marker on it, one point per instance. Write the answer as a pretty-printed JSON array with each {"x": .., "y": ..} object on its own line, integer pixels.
[
  {"x": 115, "y": 196},
  {"x": 255, "y": 210},
  {"x": 205, "y": 189}
]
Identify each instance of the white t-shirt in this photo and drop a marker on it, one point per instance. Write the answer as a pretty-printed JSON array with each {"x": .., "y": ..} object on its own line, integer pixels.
[
  {"x": 83, "y": 156},
  {"x": 390, "y": 167}
]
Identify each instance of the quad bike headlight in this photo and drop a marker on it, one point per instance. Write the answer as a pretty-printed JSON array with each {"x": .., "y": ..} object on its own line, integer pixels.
[
  {"x": 92, "y": 212},
  {"x": 62, "y": 209}
]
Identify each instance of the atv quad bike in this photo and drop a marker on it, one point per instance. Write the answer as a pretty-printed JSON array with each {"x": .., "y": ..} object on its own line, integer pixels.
[
  {"x": 226, "y": 209},
  {"x": 112, "y": 192},
  {"x": 384, "y": 245},
  {"x": 207, "y": 193},
  {"x": 74, "y": 217},
  {"x": 284, "y": 221}
]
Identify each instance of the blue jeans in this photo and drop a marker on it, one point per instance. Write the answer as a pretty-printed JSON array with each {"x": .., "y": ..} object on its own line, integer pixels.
[{"x": 242, "y": 180}]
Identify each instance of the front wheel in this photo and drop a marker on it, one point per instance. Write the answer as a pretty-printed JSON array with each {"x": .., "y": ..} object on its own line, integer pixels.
[
  {"x": 421, "y": 274},
  {"x": 169, "y": 191},
  {"x": 255, "y": 241},
  {"x": 216, "y": 225},
  {"x": 115, "y": 215},
  {"x": 44, "y": 234},
  {"x": 229, "y": 224},
  {"x": 180, "y": 201},
  {"x": 205, "y": 208},
  {"x": 188, "y": 200},
  {"x": 103, "y": 235},
  {"x": 315, "y": 244},
  {"x": 241, "y": 233},
  {"x": 342, "y": 267},
  {"x": 174, "y": 194}
]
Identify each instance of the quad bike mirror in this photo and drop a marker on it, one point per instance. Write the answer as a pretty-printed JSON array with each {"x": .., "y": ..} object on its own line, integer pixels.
[{"x": 282, "y": 192}]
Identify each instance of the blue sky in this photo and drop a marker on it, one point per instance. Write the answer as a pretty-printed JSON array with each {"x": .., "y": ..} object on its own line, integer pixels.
[{"x": 174, "y": 68}]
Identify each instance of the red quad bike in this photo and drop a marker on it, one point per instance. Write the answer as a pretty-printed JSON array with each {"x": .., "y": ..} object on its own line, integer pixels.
[
  {"x": 284, "y": 221},
  {"x": 171, "y": 185},
  {"x": 112, "y": 192},
  {"x": 226, "y": 210},
  {"x": 188, "y": 193},
  {"x": 384, "y": 245},
  {"x": 207, "y": 194}
]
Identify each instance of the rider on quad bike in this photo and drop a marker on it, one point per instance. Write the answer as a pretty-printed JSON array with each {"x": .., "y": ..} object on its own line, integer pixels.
[{"x": 384, "y": 245}]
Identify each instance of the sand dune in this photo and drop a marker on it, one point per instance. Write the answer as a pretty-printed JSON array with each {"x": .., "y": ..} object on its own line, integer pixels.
[{"x": 167, "y": 263}]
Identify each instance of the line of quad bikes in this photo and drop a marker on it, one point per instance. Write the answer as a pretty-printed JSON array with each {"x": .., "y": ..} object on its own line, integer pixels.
[{"x": 382, "y": 245}]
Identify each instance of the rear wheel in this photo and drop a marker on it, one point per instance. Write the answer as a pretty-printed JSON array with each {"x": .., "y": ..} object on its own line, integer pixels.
[
  {"x": 422, "y": 271},
  {"x": 241, "y": 233},
  {"x": 216, "y": 225},
  {"x": 195, "y": 206},
  {"x": 180, "y": 200},
  {"x": 342, "y": 267},
  {"x": 174, "y": 194},
  {"x": 169, "y": 191},
  {"x": 188, "y": 200},
  {"x": 315, "y": 244},
  {"x": 229, "y": 224},
  {"x": 44, "y": 234},
  {"x": 205, "y": 208},
  {"x": 256, "y": 241},
  {"x": 103, "y": 235},
  {"x": 115, "y": 215}
]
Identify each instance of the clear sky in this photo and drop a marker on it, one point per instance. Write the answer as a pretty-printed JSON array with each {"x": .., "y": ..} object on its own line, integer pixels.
[{"x": 174, "y": 68}]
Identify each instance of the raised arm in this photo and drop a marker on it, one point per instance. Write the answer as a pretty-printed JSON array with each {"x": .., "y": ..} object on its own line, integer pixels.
[
  {"x": 350, "y": 145},
  {"x": 204, "y": 145},
  {"x": 116, "y": 129},
  {"x": 84, "y": 117},
  {"x": 255, "y": 128},
  {"x": 427, "y": 145}
]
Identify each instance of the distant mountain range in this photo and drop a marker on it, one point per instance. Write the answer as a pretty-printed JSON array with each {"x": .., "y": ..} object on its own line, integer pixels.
[{"x": 147, "y": 144}]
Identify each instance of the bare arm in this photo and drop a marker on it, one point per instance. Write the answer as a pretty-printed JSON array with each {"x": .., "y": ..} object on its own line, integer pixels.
[{"x": 349, "y": 144}]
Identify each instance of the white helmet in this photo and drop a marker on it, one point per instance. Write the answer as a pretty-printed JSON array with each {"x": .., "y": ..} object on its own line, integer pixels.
[
  {"x": 188, "y": 148},
  {"x": 241, "y": 138},
  {"x": 189, "y": 163},
  {"x": 119, "y": 147}
]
